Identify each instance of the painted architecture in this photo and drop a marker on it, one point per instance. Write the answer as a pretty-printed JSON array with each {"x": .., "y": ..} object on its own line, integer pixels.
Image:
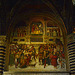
[{"x": 37, "y": 36}]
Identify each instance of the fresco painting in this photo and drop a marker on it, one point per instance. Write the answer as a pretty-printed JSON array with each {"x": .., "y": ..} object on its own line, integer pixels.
[
  {"x": 35, "y": 51},
  {"x": 36, "y": 28},
  {"x": 23, "y": 56}
]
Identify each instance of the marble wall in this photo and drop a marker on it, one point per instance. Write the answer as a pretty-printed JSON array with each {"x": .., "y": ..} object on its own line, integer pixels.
[{"x": 2, "y": 53}]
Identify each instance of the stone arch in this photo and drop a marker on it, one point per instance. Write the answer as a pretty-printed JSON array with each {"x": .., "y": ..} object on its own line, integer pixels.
[{"x": 54, "y": 17}]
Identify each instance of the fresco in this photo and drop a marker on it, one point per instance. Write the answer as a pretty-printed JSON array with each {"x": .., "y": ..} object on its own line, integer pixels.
[
  {"x": 47, "y": 55},
  {"x": 19, "y": 32},
  {"x": 53, "y": 32},
  {"x": 43, "y": 53},
  {"x": 36, "y": 28}
]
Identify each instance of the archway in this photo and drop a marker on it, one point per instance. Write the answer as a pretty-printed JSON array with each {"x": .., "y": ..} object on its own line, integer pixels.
[
  {"x": 39, "y": 32},
  {"x": 42, "y": 28}
]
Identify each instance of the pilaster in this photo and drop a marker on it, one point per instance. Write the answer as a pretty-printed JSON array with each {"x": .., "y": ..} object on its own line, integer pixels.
[{"x": 2, "y": 53}]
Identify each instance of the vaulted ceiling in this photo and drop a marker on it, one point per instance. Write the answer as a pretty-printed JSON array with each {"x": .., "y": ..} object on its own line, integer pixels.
[{"x": 10, "y": 8}]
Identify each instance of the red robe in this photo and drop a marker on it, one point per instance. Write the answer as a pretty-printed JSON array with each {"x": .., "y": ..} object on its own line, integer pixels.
[{"x": 54, "y": 60}]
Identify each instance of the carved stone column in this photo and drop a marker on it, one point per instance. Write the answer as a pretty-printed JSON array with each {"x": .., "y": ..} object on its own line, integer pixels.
[
  {"x": 71, "y": 52},
  {"x": 2, "y": 53}
]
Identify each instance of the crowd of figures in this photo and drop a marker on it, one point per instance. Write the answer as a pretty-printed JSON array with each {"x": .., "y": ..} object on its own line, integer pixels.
[
  {"x": 23, "y": 55},
  {"x": 51, "y": 55}
]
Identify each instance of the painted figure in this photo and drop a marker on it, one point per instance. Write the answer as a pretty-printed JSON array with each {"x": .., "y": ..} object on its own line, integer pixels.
[
  {"x": 40, "y": 55},
  {"x": 33, "y": 28},
  {"x": 54, "y": 59}
]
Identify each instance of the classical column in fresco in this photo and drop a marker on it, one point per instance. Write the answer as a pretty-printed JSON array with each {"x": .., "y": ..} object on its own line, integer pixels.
[{"x": 2, "y": 53}]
